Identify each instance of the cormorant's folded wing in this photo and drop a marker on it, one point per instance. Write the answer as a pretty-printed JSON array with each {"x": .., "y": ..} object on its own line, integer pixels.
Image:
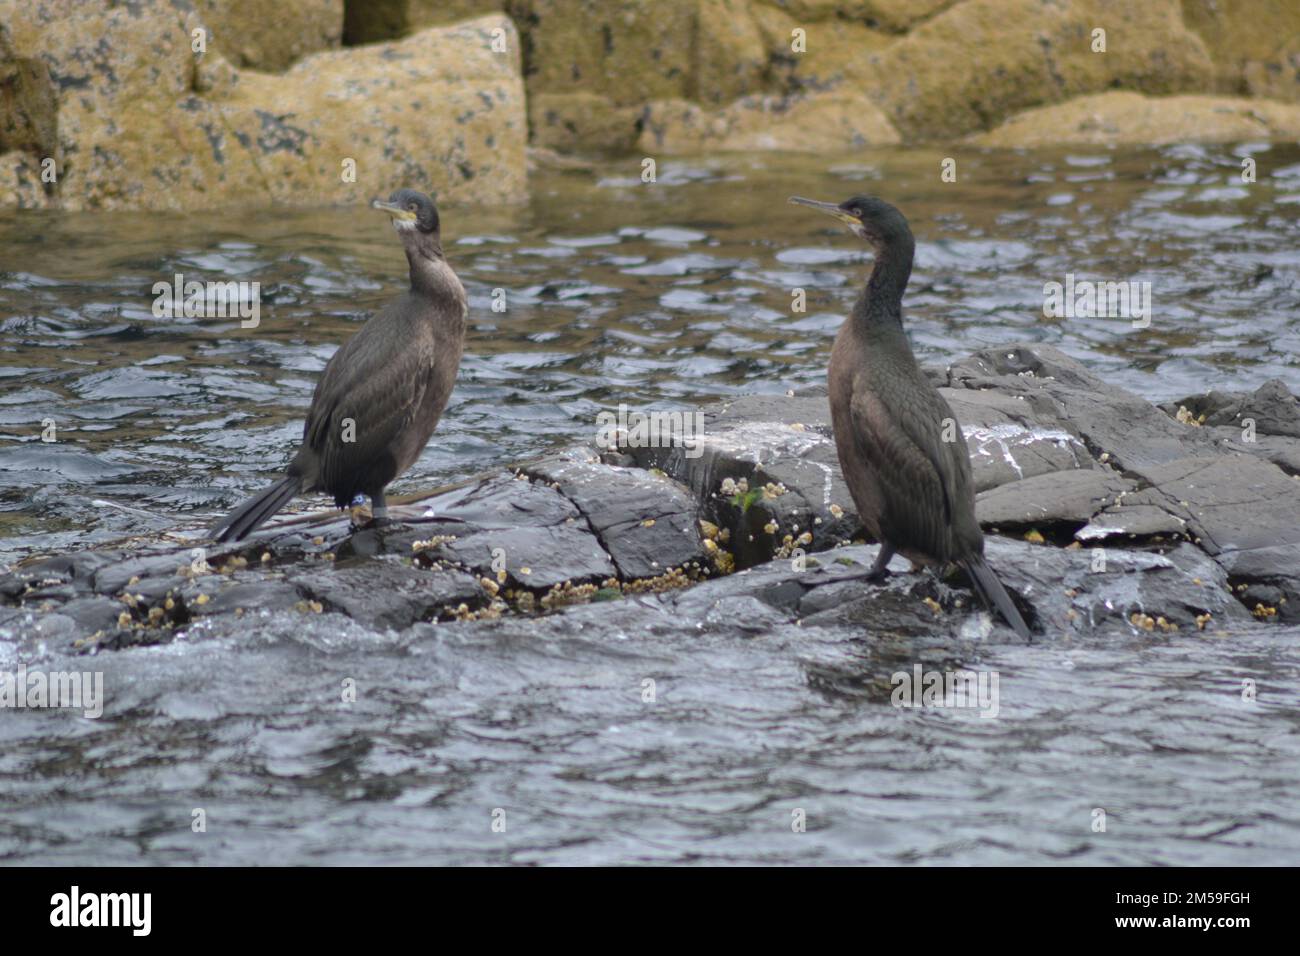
[
  {"x": 917, "y": 472},
  {"x": 376, "y": 389}
]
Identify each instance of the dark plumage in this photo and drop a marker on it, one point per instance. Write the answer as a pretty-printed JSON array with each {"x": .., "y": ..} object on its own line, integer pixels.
[
  {"x": 912, "y": 488},
  {"x": 391, "y": 381}
]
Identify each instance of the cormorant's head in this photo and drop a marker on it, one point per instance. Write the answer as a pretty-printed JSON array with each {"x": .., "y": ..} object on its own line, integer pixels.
[
  {"x": 410, "y": 210},
  {"x": 867, "y": 217}
]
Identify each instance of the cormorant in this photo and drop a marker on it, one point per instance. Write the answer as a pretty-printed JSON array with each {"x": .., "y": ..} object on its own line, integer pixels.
[
  {"x": 381, "y": 394},
  {"x": 912, "y": 488}
]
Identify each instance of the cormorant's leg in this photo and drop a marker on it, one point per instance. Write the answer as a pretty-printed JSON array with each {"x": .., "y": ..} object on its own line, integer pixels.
[
  {"x": 378, "y": 508},
  {"x": 880, "y": 570}
]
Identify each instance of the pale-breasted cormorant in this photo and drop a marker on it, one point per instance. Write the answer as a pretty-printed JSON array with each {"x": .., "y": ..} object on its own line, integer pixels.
[
  {"x": 912, "y": 488},
  {"x": 381, "y": 394}
]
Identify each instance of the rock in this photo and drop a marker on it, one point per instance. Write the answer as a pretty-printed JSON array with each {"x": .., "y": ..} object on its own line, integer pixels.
[
  {"x": 822, "y": 122},
  {"x": 582, "y": 121},
  {"x": 271, "y": 34},
  {"x": 1012, "y": 437},
  {"x": 143, "y": 122},
  {"x": 117, "y": 576},
  {"x": 1055, "y": 389},
  {"x": 1278, "y": 79},
  {"x": 1079, "y": 590},
  {"x": 535, "y": 558},
  {"x": 504, "y": 500},
  {"x": 79, "y": 568},
  {"x": 389, "y": 594},
  {"x": 1131, "y": 520},
  {"x": 375, "y": 22},
  {"x": 1070, "y": 450},
  {"x": 980, "y": 61},
  {"x": 1129, "y": 118},
  {"x": 628, "y": 50},
  {"x": 1245, "y": 512},
  {"x": 252, "y": 596},
  {"x": 1265, "y": 423},
  {"x": 93, "y": 614},
  {"x": 1067, "y": 497},
  {"x": 1064, "y": 592},
  {"x": 1255, "y": 45},
  {"x": 1271, "y": 409},
  {"x": 731, "y": 55},
  {"x": 779, "y": 453},
  {"x": 649, "y": 525},
  {"x": 20, "y": 181},
  {"x": 1175, "y": 526}
]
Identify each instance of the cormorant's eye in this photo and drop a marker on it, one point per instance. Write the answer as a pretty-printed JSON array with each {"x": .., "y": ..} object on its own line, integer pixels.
[{"x": 411, "y": 206}]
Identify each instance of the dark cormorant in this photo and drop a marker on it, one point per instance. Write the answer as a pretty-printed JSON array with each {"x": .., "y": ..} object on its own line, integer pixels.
[
  {"x": 912, "y": 488},
  {"x": 382, "y": 393}
]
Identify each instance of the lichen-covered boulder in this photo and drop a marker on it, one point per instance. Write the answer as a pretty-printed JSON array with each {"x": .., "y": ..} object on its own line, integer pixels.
[
  {"x": 822, "y": 122},
  {"x": 271, "y": 34},
  {"x": 1255, "y": 44},
  {"x": 1131, "y": 118},
  {"x": 982, "y": 60},
  {"x": 147, "y": 113}
]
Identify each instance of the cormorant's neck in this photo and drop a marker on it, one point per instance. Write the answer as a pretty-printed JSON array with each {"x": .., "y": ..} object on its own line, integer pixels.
[
  {"x": 424, "y": 254},
  {"x": 882, "y": 300}
]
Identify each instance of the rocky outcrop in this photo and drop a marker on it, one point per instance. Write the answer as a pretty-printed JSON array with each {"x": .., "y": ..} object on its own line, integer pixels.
[
  {"x": 982, "y": 60},
  {"x": 819, "y": 124},
  {"x": 140, "y": 119},
  {"x": 1255, "y": 45},
  {"x": 1058, "y": 456},
  {"x": 177, "y": 104},
  {"x": 724, "y": 74},
  {"x": 1133, "y": 119},
  {"x": 686, "y": 75},
  {"x": 270, "y": 35},
  {"x": 1103, "y": 511}
]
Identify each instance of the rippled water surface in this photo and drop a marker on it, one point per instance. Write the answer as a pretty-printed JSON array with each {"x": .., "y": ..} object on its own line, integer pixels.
[{"x": 663, "y": 294}]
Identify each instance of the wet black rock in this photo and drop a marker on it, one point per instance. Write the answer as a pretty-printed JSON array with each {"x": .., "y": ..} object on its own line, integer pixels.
[
  {"x": 648, "y": 524},
  {"x": 1054, "y": 449},
  {"x": 1265, "y": 423},
  {"x": 534, "y": 558},
  {"x": 256, "y": 594},
  {"x": 1064, "y": 497},
  {"x": 388, "y": 593},
  {"x": 1125, "y": 517}
]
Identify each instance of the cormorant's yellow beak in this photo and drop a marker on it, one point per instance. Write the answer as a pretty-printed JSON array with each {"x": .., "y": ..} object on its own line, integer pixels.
[
  {"x": 827, "y": 207},
  {"x": 394, "y": 210}
]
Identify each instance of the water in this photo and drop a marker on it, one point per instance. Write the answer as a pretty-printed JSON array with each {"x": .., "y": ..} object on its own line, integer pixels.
[{"x": 662, "y": 295}]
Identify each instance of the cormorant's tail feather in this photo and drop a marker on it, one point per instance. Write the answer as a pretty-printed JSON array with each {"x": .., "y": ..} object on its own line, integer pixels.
[
  {"x": 254, "y": 512},
  {"x": 994, "y": 594}
]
